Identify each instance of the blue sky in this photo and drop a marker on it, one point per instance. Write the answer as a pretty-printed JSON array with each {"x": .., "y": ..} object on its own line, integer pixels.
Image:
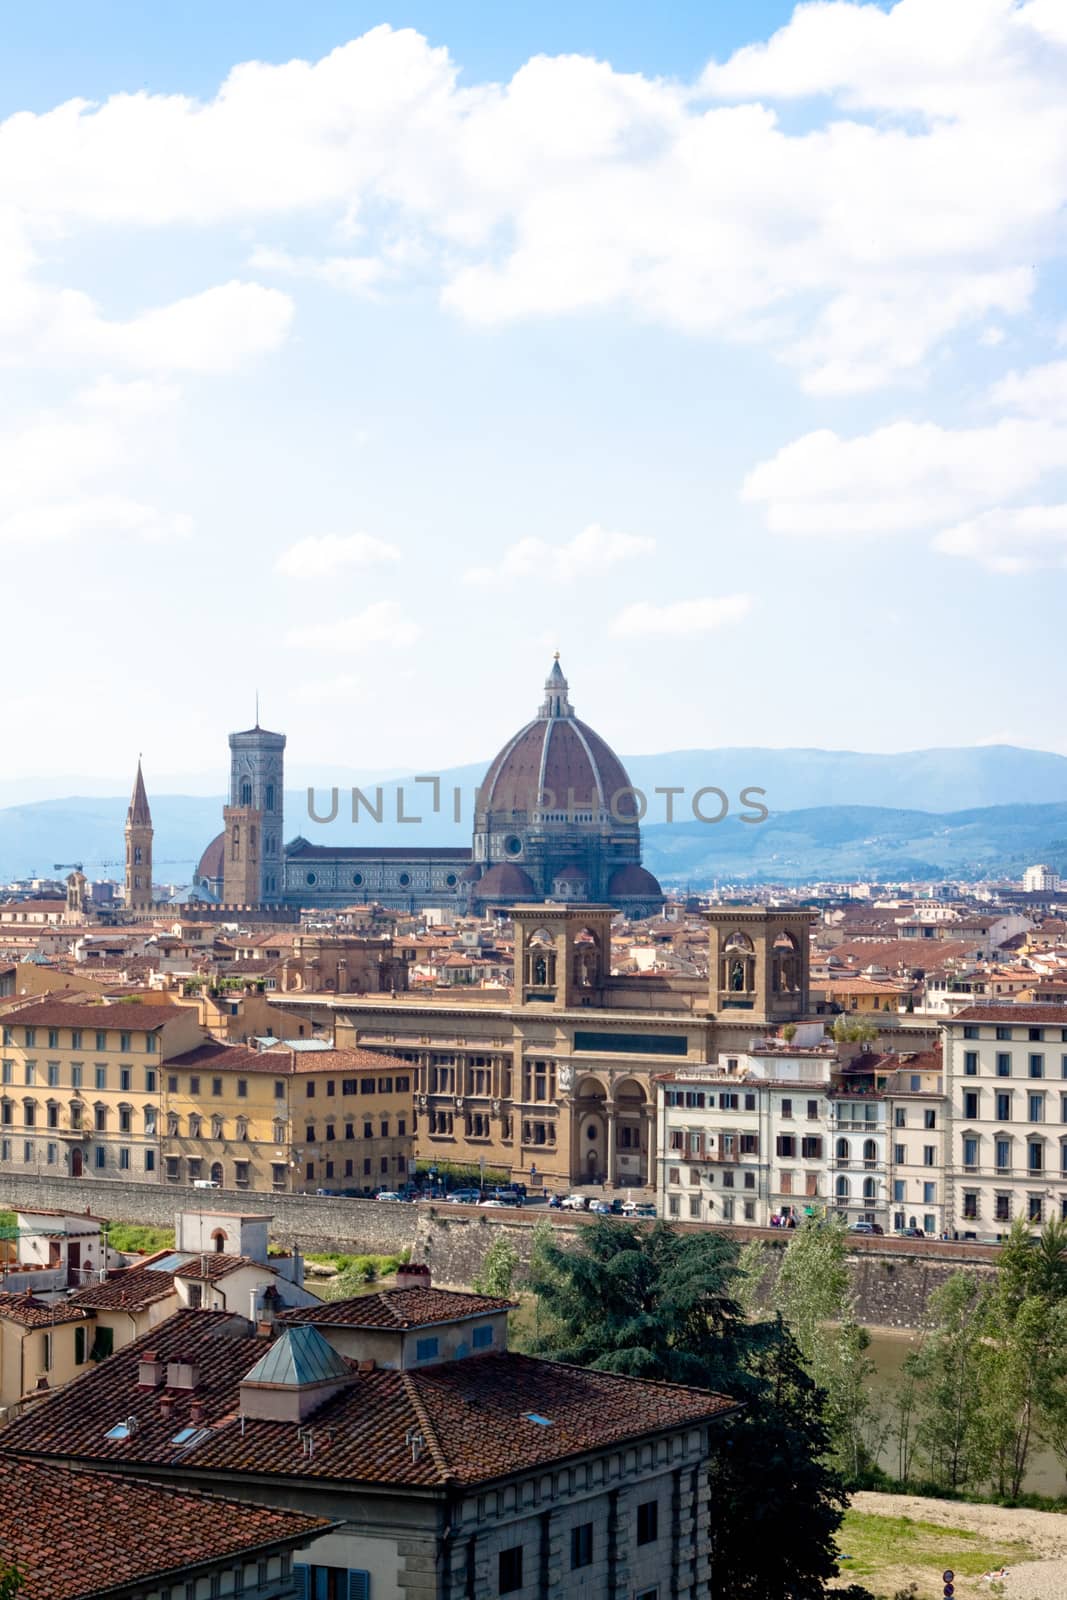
[{"x": 721, "y": 348}]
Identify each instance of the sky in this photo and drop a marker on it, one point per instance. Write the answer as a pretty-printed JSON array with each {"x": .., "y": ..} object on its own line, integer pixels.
[{"x": 365, "y": 356}]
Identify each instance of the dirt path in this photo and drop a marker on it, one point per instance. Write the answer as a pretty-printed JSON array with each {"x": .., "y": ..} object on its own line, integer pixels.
[{"x": 1043, "y": 1577}]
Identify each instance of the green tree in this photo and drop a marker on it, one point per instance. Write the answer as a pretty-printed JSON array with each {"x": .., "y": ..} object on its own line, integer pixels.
[
  {"x": 655, "y": 1303},
  {"x": 10, "y": 1581},
  {"x": 498, "y": 1267},
  {"x": 951, "y": 1430},
  {"x": 814, "y": 1296}
]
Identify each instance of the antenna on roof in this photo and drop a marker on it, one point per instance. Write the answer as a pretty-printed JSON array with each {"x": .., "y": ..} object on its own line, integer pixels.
[{"x": 257, "y": 708}]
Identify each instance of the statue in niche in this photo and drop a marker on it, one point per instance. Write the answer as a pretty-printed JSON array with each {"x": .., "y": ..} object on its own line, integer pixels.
[{"x": 737, "y": 975}]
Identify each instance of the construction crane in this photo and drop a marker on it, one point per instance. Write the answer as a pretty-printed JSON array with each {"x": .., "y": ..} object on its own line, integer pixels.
[{"x": 67, "y": 866}]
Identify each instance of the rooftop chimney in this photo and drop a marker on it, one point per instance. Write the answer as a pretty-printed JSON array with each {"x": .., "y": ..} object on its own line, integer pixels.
[
  {"x": 182, "y": 1375},
  {"x": 149, "y": 1371},
  {"x": 413, "y": 1275}
]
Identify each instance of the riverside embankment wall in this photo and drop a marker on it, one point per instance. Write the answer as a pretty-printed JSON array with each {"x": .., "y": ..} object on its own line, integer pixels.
[{"x": 892, "y": 1278}]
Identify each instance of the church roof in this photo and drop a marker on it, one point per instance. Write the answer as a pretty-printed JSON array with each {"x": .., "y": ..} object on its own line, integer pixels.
[
  {"x": 505, "y": 881},
  {"x": 138, "y": 815},
  {"x": 211, "y": 863},
  {"x": 633, "y": 880}
]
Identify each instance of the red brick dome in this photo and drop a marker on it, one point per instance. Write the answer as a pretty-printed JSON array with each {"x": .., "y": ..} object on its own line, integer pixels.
[
  {"x": 210, "y": 865},
  {"x": 561, "y": 758},
  {"x": 633, "y": 883}
]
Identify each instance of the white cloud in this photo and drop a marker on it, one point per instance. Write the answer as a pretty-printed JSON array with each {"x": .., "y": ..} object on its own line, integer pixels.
[
  {"x": 355, "y": 274},
  {"x": 907, "y": 476},
  {"x": 683, "y": 617},
  {"x": 590, "y": 552},
  {"x": 382, "y": 623},
  {"x": 1037, "y": 392},
  {"x": 318, "y": 557},
  {"x": 59, "y": 472},
  {"x": 914, "y": 201},
  {"x": 1010, "y": 541}
]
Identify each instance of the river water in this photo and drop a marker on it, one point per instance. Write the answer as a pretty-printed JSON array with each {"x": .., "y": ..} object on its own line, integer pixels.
[{"x": 888, "y": 1349}]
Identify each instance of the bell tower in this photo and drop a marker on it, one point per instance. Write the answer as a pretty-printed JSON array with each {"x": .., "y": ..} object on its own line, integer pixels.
[
  {"x": 253, "y": 822},
  {"x": 138, "y": 848},
  {"x": 759, "y": 963},
  {"x": 562, "y": 954}
]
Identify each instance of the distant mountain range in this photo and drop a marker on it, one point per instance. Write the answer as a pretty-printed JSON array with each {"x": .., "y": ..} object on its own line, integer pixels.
[{"x": 970, "y": 813}]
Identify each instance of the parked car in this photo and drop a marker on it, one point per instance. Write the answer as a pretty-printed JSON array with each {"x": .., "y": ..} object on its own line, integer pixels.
[
  {"x": 575, "y": 1202},
  {"x": 602, "y": 1207},
  {"x": 861, "y": 1227},
  {"x": 638, "y": 1208},
  {"x": 911, "y": 1233},
  {"x": 387, "y": 1194},
  {"x": 204, "y": 1183},
  {"x": 464, "y": 1197},
  {"x": 508, "y": 1197},
  {"x": 501, "y": 1205}
]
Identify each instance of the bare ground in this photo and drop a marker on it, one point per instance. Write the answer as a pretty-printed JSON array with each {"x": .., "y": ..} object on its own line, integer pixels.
[{"x": 1043, "y": 1577}]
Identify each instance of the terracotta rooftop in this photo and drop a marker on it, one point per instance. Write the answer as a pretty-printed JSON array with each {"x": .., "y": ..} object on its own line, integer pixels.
[
  {"x": 474, "y": 1416},
  {"x": 68, "y": 1532},
  {"x": 150, "y": 1280},
  {"x": 398, "y": 1308},
  {"x": 129, "y": 1017},
  {"x": 1050, "y": 1014},
  {"x": 29, "y": 1312}
]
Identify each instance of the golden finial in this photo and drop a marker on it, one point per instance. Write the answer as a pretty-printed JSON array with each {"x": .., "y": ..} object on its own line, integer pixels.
[{"x": 556, "y": 656}]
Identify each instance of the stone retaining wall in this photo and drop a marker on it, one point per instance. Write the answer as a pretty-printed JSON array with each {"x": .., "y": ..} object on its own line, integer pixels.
[{"x": 892, "y": 1278}]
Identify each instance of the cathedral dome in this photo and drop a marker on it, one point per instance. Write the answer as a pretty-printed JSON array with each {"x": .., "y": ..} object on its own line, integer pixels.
[
  {"x": 634, "y": 883},
  {"x": 210, "y": 865},
  {"x": 560, "y": 758}
]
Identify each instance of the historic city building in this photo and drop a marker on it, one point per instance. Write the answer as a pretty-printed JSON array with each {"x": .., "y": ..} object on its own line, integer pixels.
[
  {"x": 556, "y": 818},
  {"x": 138, "y": 848}
]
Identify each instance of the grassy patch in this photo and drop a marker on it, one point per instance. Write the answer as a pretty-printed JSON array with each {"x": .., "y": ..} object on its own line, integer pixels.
[
  {"x": 355, "y": 1274},
  {"x": 874, "y": 1545},
  {"x": 128, "y": 1236}
]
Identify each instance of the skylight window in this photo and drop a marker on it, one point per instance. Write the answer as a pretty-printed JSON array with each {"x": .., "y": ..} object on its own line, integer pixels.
[
  {"x": 121, "y": 1430},
  {"x": 188, "y": 1437},
  {"x": 535, "y": 1416}
]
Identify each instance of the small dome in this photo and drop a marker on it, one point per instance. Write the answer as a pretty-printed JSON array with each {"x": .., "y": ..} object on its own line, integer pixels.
[
  {"x": 505, "y": 881},
  {"x": 633, "y": 883},
  {"x": 571, "y": 875},
  {"x": 470, "y": 874},
  {"x": 210, "y": 864}
]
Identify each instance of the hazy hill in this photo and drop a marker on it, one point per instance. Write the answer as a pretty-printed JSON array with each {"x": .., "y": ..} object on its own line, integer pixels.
[{"x": 836, "y": 814}]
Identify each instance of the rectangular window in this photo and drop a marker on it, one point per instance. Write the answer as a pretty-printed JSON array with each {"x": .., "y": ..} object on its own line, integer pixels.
[
  {"x": 1003, "y": 1064},
  {"x": 929, "y": 1155},
  {"x": 509, "y": 1570},
  {"x": 99, "y": 1157},
  {"x": 482, "y": 1338},
  {"x": 648, "y": 1522},
  {"x": 100, "y": 1077},
  {"x": 970, "y": 1153},
  {"x": 124, "y": 1043},
  {"x": 900, "y": 1117},
  {"x": 898, "y": 1191},
  {"x": 970, "y": 1030},
  {"x": 101, "y": 1039},
  {"x": 929, "y": 1194},
  {"x": 813, "y": 1111},
  {"x": 929, "y": 1119},
  {"x": 426, "y": 1349},
  {"x": 149, "y": 1044},
  {"x": 1003, "y": 1031},
  {"x": 970, "y": 1104},
  {"x": 582, "y": 1546},
  {"x": 150, "y": 1080},
  {"x": 1003, "y": 1155},
  {"x": 970, "y": 1063},
  {"x": 1036, "y": 1208},
  {"x": 1037, "y": 1066},
  {"x": 1003, "y": 1107},
  {"x": 1035, "y": 1157},
  {"x": 125, "y": 1078},
  {"x": 787, "y": 1108},
  {"x": 150, "y": 1161},
  {"x": 1036, "y": 1107},
  {"x": 124, "y": 1159}
]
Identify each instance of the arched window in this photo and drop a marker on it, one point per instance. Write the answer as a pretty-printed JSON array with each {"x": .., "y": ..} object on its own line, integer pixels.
[
  {"x": 218, "y": 1238},
  {"x": 842, "y": 1150},
  {"x": 870, "y": 1188},
  {"x": 246, "y": 793},
  {"x": 268, "y": 797},
  {"x": 137, "y": 855},
  {"x": 842, "y": 1188},
  {"x": 216, "y": 1173},
  {"x": 870, "y": 1150},
  {"x": 235, "y": 843}
]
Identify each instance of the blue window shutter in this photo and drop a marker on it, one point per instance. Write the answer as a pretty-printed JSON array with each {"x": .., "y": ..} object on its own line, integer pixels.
[
  {"x": 302, "y": 1575},
  {"x": 359, "y": 1586}
]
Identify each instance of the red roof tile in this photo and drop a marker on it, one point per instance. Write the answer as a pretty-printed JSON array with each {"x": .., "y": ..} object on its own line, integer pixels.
[
  {"x": 473, "y": 1415},
  {"x": 69, "y": 1532},
  {"x": 399, "y": 1308}
]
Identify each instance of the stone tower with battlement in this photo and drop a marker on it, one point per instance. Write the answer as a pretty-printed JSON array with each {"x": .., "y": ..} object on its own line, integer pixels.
[
  {"x": 253, "y": 822},
  {"x": 138, "y": 848}
]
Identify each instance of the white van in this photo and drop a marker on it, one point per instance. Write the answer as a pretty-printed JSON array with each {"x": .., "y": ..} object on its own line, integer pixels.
[{"x": 204, "y": 1183}]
